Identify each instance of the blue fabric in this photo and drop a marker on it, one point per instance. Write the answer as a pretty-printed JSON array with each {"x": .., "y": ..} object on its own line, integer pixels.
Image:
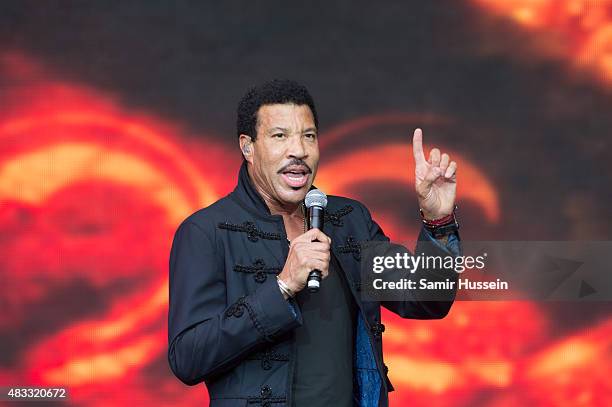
[
  {"x": 292, "y": 308},
  {"x": 453, "y": 244},
  {"x": 368, "y": 378}
]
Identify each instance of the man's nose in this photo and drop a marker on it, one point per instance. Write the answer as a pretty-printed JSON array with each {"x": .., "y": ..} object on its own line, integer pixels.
[{"x": 296, "y": 147}]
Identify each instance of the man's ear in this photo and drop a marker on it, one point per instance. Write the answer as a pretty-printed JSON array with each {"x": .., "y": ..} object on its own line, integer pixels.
[{"x": 246, "y": 146}]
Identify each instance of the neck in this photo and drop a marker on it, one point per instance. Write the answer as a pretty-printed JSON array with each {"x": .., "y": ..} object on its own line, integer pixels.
[{"x": 293, "y": 211}]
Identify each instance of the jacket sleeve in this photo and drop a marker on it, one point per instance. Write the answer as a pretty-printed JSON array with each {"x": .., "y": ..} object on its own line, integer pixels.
[
  {"x": 416, "y": 306},
  {"x": 206, "y": 336}
]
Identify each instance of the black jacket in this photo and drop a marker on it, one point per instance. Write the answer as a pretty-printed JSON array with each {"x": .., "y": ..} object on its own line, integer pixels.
[{"x": 228, "y": 323}]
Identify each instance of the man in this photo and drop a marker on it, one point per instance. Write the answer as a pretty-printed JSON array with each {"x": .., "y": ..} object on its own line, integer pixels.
[{"x": 240, "y": 318}]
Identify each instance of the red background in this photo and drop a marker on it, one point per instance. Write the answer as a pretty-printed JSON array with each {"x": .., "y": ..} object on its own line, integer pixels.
[{"x": 94, "y": 182}]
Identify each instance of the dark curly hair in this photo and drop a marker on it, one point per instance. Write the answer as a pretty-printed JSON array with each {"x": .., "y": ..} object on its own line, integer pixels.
[{"x": 277, "y": 91}]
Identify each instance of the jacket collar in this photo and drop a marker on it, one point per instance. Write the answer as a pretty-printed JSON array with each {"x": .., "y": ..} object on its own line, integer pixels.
[
  {"x": 246, "y": 191},
  {"x": 248, "y": 195}
]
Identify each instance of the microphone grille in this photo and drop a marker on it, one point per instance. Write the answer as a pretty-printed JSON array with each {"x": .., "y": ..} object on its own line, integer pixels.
[{"x": 315, "y": 197}]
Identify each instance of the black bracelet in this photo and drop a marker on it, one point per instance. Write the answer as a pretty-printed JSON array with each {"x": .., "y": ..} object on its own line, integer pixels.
[{"x": 445, "y": 229}]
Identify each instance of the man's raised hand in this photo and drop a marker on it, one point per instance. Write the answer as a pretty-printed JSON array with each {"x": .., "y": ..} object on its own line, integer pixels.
[{"x": 435, "y": 180}]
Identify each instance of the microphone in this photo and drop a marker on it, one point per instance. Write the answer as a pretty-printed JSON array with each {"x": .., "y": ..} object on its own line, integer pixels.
[{"x": 316, "y": 202}]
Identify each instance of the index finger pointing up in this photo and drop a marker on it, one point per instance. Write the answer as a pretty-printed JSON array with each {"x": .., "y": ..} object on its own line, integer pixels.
[{"x": 417, "y": 146}]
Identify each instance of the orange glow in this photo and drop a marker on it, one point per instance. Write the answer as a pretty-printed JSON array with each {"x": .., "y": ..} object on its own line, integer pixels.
[
  {"x": 78, "y": 140},
  {"x": 110, "y": 365},
  {"x": 478, "y": 346},
  {"x": 573, "y": 372},
  {"x": 90, "y": 196},
  {"x": 390, "y": 162},
  {"x": 579, "y": 351},
  {"x": 431, "y": 376},
  {"x": 32, "y": 177},
  {"x": 580, "y": 29}
]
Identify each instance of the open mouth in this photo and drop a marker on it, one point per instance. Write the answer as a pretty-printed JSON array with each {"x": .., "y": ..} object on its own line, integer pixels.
[{"x": 295, "y": 177}]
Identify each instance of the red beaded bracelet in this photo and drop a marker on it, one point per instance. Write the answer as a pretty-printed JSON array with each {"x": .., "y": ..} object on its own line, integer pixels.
[{"x": 448, "y": 219}]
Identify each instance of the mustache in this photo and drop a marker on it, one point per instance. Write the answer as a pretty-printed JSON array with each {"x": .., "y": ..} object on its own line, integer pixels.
[{"x": 295, "y": 161}]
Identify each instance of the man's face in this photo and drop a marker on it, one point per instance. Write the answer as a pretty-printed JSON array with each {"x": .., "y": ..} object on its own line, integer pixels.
[{"x": 286, "y": 152}]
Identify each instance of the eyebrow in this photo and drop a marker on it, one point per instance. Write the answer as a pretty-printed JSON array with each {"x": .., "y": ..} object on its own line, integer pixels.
[{"x": 310, "y": 129}]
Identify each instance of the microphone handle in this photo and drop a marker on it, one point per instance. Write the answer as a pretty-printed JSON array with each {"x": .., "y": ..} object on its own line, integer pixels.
[{"x": 316, "y": 214}]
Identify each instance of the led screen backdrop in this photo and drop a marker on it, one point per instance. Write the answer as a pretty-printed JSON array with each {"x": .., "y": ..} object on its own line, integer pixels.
[{"x": 117, "y": 122}]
